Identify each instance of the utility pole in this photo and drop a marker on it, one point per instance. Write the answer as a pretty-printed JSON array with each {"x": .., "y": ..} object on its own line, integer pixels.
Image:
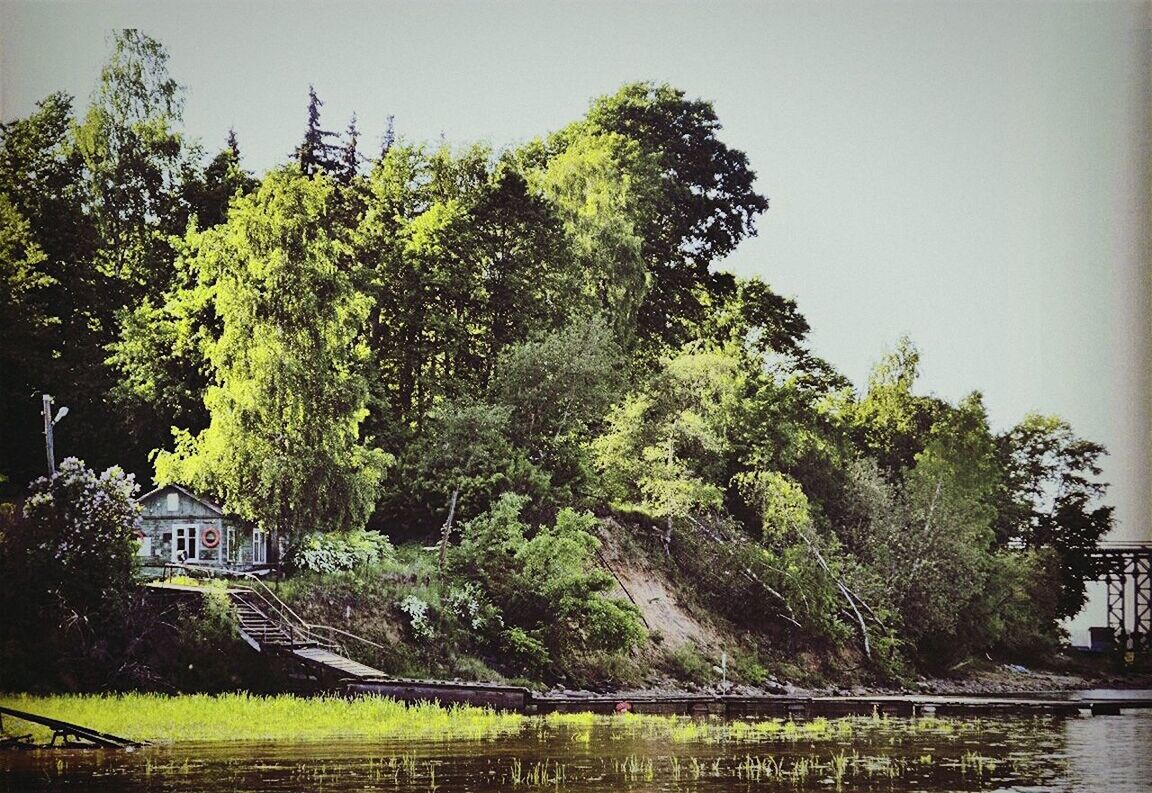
[{"x": 49, "y": 423}]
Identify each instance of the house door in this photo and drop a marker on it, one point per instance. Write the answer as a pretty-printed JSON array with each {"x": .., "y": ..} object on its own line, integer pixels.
[{"x": 184, "y": 543}]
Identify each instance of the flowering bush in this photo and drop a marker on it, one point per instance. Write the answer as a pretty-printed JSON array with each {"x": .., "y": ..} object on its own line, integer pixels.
[
  {"x": 330, "y": 552},
  {"x": 67, "y": 574},
  {"x": 83, "y": 542}
]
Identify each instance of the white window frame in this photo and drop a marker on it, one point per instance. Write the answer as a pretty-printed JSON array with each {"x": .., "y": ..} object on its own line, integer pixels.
[
  {"x": 173, "y": 504},
  {"x": 231, "y": 549},
  {"x": 187, "y": 539},
  {"x": 259, "y": 547}
]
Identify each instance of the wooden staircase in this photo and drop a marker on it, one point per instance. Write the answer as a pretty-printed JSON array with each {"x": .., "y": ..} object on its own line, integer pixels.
[
  {"x": 268, "y": 625},
  {"x": 256, "y": 627}
]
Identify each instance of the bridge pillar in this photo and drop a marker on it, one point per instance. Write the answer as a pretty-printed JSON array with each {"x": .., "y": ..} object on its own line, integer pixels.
[
  {"x": 1117, "y": 584},
  {"x": 1142, "y": 601},
  {"x": 1127, "y": 572}
]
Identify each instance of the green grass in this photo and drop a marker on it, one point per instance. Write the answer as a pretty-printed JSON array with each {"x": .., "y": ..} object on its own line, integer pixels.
[
  {"x": 714, "y": 730},
  {"x": 236, "y": 717}
]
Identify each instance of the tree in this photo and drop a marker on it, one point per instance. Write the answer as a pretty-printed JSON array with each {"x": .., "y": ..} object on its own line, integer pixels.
[
  {"x": 891, "y": 424},
  {"x": 208, "y": 192},
  {"x": 706, "y": 200},
  {"x": 1052, "y": 500},
  {"x": 667, "y": 447},
  {"x": 133, "y": 161},
  {"x": 757, "y": 317},
  {"x": 464, "y": 460},
  {"x": 526, "y": 280},
  {"x": 58, "y": 303},
  {"x": 412, "y": 245},
  {"x": 927, "y": 536},
  {"x": 349, "y": 156},
  {"x": 316, "y": 153},
  {"x": 558, "y": 388},
  {"x": 548, "y": 589},
  {"x": 288, "y": 393},
  {"x": 601, "y": 186}
]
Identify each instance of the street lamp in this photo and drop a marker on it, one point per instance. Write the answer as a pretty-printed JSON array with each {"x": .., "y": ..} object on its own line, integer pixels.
[{"x": 49, "y": 423}]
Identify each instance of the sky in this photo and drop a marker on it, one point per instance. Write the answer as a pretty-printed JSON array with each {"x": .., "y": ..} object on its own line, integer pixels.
[{"x": 972, "y": 175}]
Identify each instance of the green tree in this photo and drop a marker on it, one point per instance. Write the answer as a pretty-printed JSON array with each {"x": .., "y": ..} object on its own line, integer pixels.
[
  {"x": 927, "y": 537},
  {"x": 316, "y": 153},
  {"x": 527, "y": 282},
  {"x": 891, "y": 424},
  {"x": 208, "y": 191},
  {"x": 134, "y": 159},
  {"x": 706, "y": 202},
  {"x": 667, "y": 447},
  {"x": 415, "y": 262},
  {"x": 462, "y": 460},
  {"x": 547, "y": 587},
  {"x": 288, "y": 395},
  {"x": 602, "y": 187},
  {"x": 57, "y": 305},
  {"x": 558, "y": 388},
  {"x": 1052, "y": 501}
]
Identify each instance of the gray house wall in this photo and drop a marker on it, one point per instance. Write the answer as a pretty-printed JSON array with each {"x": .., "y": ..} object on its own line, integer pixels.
[{"x": 174, "y": 517}]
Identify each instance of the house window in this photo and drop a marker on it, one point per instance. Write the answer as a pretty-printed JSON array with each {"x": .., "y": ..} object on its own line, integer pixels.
[
  {"x": 259, "y": 547},
  {"x": 231, "y": 549},
  {"x": 145, "y": 548},
  {"x": 184, "y": 543},
  {"x": 173, "y": 502}
]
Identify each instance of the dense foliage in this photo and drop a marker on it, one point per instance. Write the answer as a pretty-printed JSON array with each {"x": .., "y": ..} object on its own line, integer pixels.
[
  {"x": 486, "y": 347},
  {"x": 67, "y": 576}
]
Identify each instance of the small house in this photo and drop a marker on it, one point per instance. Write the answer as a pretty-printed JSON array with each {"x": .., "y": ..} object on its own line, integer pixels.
[{"x": 176, "y": 525}]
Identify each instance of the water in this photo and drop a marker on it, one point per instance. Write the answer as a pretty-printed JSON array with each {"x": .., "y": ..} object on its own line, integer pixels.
[{"x": 1104, "y": 753}]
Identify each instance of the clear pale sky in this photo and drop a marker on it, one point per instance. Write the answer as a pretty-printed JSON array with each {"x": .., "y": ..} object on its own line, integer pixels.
[{"x": 974, "y": 175}]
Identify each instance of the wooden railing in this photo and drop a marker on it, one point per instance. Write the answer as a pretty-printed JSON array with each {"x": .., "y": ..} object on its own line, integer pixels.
[{"x": 279, "y": 611}]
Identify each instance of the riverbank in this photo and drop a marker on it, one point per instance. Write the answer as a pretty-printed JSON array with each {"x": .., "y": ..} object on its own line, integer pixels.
[{"x": 991, "y": 681}]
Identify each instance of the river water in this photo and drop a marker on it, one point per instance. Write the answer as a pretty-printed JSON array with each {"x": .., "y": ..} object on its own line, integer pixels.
[{"x": 1100, "y": 753}]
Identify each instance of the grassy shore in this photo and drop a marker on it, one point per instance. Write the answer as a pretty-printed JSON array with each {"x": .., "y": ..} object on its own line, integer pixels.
[
  {"x": 157, "y": 718},
  {"x": 235, "y": 717}
]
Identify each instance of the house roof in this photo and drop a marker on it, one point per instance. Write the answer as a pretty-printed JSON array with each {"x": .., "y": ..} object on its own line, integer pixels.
[{"x": 212, "y": 505}]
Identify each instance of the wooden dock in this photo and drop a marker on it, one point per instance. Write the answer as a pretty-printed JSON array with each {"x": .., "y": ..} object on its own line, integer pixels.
[
  {"x": 812, "y": 707},
  {"x": 522, "y": 700},
  {"x": 71, "y": 732}
]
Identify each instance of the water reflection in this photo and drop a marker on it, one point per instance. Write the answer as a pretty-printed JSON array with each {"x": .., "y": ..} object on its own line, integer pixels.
[{"x": 1111, "y": 753}]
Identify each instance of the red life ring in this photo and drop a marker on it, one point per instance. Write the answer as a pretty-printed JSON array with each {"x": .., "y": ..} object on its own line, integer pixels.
[{"x": 210, "y": 538}]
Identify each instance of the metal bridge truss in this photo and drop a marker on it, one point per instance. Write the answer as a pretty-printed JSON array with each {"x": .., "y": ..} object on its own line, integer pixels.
[{"x": 1127, "y": 573}]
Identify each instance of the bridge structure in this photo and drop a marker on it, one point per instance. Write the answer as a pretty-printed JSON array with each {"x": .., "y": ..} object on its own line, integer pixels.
[{"x": 1126, "y": 570}]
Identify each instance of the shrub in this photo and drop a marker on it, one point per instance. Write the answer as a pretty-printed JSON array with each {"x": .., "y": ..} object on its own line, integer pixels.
[
  {"x": 330, "y": 552},
  {"x": 541, "y": 598},
  {"x": 687, "y": 663}
]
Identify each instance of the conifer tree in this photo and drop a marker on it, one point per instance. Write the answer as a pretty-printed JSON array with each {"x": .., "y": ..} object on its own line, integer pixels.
[{"x": 316, "y": 152}]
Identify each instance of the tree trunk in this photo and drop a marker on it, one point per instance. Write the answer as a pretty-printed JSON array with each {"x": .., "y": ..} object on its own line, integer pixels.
[{"x": 448, "y": 527}]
